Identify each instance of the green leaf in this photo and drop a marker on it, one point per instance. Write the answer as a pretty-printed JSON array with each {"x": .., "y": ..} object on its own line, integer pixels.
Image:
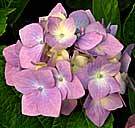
[
  {"x": 129, "y": 27},
  {"x": 131, "y": 97},
  {"x": 3, "y": 19},
  {"x": 19, "y": 5},
  {"x": 11, "y": 116},
  {"x": 108, "y": 10},
  {"x": 79, "y": 4}
]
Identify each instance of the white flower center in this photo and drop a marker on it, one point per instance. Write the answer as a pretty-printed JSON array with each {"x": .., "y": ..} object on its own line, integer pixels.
[{"x": 60, "y": 81}]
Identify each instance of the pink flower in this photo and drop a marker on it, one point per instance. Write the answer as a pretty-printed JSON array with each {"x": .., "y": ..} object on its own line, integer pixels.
[
  {"x": 99, "y": 110},
  {"x": 40, "y": 95},
  {"x": 98, "y": 77},
  {"x": 61, "y": 33}
]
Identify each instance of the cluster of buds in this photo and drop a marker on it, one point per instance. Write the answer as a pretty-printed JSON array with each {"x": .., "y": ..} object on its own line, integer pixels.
[{"x": 59, "y": 59}]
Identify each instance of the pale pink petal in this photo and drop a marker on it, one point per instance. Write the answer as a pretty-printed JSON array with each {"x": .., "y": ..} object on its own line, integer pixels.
[
  {"x": 46, "y": 104},
  {"x": 63, "y": 91},
  {"x": 68, "y": 106},
  {"x": 96, "y": 27},
  {"x": 75, "y": 89},
  {"x": 31, "y": 35},
  {"x": 121, "y": 82},
  {"x": 53, "y": 24},
  {"x": 50, "y": 103},
  {"x": 10, "y": 72},
  {"x": 81, "y": 18},
  {"x": 30, "y": 104},
  {"x": 125, "y": 62},
  {"x": 83, "y": 76},
  {"x": 58, "y": 9},
  {"x": 64, "y": 69},
  {"x": 11, "y": 53},
  {"x": 70, "y": 24},
  {"x": 112, "y": 102},
  {"x": 27, "y": 81},
  {"x": 111, "y": 46},
  {"x": 96, "y": 113},
  {"x": 90, "y": 15},
  {"x": 113, "y": 84},
  {"x": 28, "y": 56},
  {"x": 89, "y": 40},
  {"x": 112, "y": 68},
  {"x": 98, "y": 88}
]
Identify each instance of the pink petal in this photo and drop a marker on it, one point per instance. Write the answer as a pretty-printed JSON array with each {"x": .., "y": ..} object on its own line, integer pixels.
[
  {"x": 53, "y": 24},
  {"x": 112, "y": 102},
  {"x": 90, "y": 15},
  {"x": 64, "y": 69},
  {"x": 125, "y": 62},
  {"x": 28, "y": 80},
  {"x": 11, "y": 53},
  {"x": 83, "y": 75},
  {"x": 111, "y": 46},
  {"x": 47, "y": 104},
  {"x": 70, "y": 24},
  {"x": 113, "y": 84},
  {"x": 10, "y": 72},
  {"x": 75, "y": 89},
  {"x": 63, "y": 91},
  {"x": 89, "y": 40},
  {"x": 58, "y": 9},
  {"x": 31, "y": 35},
  {"x": 96, "y": 113},
  {"x": 50, "y": 103},
  {"x": 112, "y": 68},
  {"x": 30, "y": 104},
  {"x": 29, "y": 55},
  {"x": 81, "y": 18},
  {"x": 68, "y": 106},
  {"x": 96, "y": 27},
  {"x": 121, "y": 82},
  {"x": 98, "y": 88}
]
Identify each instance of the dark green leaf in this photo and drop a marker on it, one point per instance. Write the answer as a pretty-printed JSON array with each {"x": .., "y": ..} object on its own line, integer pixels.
[
  {"x": 129, "y": 27},
  {"x": 79, "y": 4},
  {"x": 131, "y": 97},
  {"x": 3, "y": 19},
  {"x": 19, "y": 5},
  {"x": 107, "y": 10}
]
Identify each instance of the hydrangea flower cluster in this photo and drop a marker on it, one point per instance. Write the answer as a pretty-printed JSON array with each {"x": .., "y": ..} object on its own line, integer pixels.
[{"x": 61, "y": 58}]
